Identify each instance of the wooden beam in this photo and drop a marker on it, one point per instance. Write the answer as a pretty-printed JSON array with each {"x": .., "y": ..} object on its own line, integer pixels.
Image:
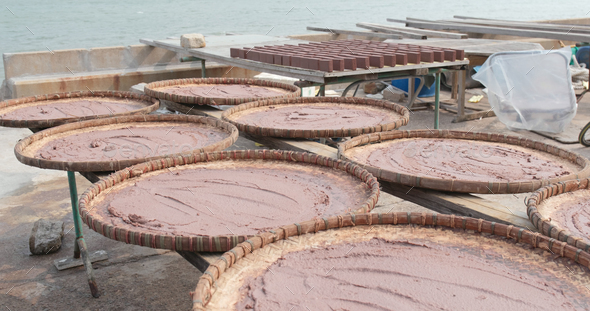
[
  {"x": 494, "y": 30},
  {"x": 474, "y": 116},
  {"x": 199, "y": 261},
  {"x": 428, "y": 33},
  {"x": 391, "y": 30},
  {"x": 517, "y": 25},
  {"x": 356, "y": 33},
  {"x": 459, "y": 204},
  {"x": 522, "y": 22}
]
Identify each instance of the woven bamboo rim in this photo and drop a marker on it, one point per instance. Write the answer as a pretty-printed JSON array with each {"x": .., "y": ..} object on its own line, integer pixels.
[
  {"x": 150, "y": 104},
  {"x": 108, "y": 166},
  {"x": 543, "y": 224},
  {"x": 203, "y": 243},
  {"x": 207, "y": 282},
  {"x": 457, "y": 185},
  {"x": 318, "y": 133},
  {"x": 151, "y": 90}
]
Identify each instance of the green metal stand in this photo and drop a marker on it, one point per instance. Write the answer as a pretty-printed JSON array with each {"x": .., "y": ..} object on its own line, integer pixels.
[
  {"x": 80, "y": 245},
  {"x": 196, "y": 59},
  {"x": 436, "y": 99}
]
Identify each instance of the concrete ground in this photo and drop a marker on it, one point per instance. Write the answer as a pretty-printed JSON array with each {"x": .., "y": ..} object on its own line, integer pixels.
[{"x": 134, "y": 278}]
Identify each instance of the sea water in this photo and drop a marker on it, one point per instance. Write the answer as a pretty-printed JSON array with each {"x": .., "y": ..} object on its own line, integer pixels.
[{"x": 36, "y": 25}]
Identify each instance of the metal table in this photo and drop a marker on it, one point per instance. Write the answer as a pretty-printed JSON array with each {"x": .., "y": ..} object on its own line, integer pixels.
[{"x": 218, "y": 50}]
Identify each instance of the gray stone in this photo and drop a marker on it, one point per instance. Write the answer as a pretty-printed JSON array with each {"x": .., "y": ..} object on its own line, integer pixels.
[
  {"x": 393, "y": 95},
  {"x": 192, "y": 41},
  {"x": 374, "y": 87},
  {"x": 46, "y": 236},
  {"x": 2, "y": 88},
  {"x": 138, "y": 88}
]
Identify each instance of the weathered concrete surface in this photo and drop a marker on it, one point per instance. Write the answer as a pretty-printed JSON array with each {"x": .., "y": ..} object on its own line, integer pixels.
[
  {"x": 103, "y": 68},
  {"x": 46, "y": 236}
]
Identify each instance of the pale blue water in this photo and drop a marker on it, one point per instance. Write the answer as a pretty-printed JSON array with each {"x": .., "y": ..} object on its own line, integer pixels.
[{"x": 65, "y": 24}]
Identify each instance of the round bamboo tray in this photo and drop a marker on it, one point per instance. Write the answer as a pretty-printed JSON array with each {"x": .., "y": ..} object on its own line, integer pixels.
[
  {"x": 353, "y": 190},
  {"x": 549, "y": 212},
  {"x": 28, "y": 150},
  {"x": 158, "y": 90},
  {"x": 481, "y": 145},
  {"x": 396, "y": 115},
  {"x": 144, "y": 104},
  {"x": 495, "y": 264}
]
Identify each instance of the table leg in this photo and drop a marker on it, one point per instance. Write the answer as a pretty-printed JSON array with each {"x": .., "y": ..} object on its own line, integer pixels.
[
  {"x": 461, "y": 93},
  {"x": 80, "y": 246},
  {"x": 411, "y": 91},
  {"x": 436, "y": 99},
  {"x": 414, "y": 95},
  {"x": 203, "y": 69},
  {"x": 322, "y": 91}
]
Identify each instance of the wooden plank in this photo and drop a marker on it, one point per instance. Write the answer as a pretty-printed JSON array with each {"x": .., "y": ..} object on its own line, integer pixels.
[
  {"x": 494, "y": 30},
  {"x": 517, "y": 25},
  {"x": 563, "y": 25},
  {"x": 402, "y": 30},
  {"x": 94, "y": 176},
  {"x": 355, "y": 33},
  {"x": 474, "y": 116},
  {"x": 458, "y": 204},
  {"x": 200, "y": 261},
  {"x": 397, "y": 31}
]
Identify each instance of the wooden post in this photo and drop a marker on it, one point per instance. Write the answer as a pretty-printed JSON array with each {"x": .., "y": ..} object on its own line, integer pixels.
[{"x": 454, "y": 85}]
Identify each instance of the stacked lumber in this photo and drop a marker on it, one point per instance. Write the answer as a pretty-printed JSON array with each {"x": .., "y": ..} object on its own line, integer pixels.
[{"x": 503, "y": 27}]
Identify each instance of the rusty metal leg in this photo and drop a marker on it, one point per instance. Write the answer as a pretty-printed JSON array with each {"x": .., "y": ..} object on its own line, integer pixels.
[
  {"x": 88, "y": 265},
  {"x": 76, "y": 249},
  {"x": 80, "y": 243}
]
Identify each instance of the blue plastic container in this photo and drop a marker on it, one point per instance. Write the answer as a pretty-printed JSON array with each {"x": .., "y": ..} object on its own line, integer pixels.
[
  {"x": 402, "y": 84},
  {"x": 583, "y": 55}
]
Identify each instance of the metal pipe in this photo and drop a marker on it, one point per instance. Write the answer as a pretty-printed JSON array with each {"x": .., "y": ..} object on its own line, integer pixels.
[{"x": 356, "y": 90}]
